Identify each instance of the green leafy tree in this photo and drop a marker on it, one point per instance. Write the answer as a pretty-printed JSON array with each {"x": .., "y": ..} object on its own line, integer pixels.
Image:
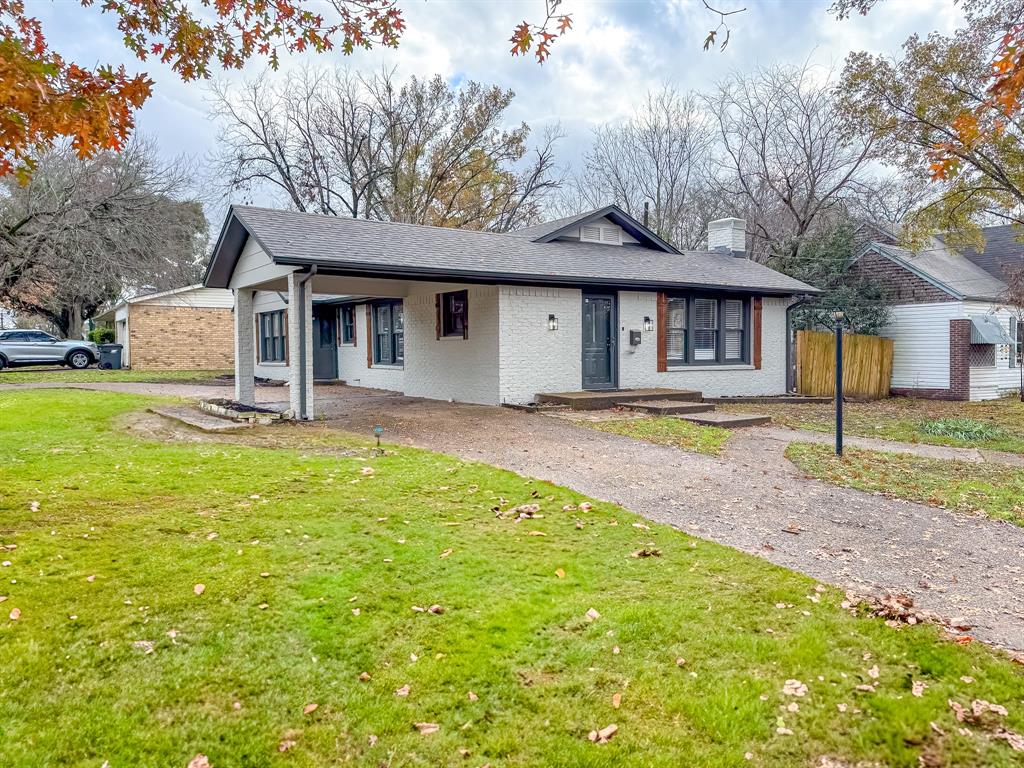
[{"x": 824, "y": 261}]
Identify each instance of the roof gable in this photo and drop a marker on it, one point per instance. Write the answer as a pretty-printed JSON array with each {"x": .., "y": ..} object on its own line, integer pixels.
[
  {"x": 552, "y": 230},
  {"x": 946, "y": 270}
]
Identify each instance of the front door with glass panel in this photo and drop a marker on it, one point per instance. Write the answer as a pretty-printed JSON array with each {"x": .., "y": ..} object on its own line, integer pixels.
[{"x": 599, "y": 341}]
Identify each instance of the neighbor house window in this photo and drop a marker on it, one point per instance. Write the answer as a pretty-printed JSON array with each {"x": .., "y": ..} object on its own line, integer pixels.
[
  {"x": 388, "y": 333},
  {"x": 675, "y": 330},
  {"x": 272, "y": 337},
  {"x": 1017, "y": 348},
  {"x": 455, "y": 313},
  {"x": 348, "y": 325},
  {"x": 700, "y": 329}
]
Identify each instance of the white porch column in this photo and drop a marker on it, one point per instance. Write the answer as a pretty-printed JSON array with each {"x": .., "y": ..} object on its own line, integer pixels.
[
  {"x": 300, "y": 344},
  {"x": 245, "y": 347}
]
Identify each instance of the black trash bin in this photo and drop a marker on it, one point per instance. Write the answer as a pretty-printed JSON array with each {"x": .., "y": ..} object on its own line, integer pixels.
[{"x": 110, "y": 356}]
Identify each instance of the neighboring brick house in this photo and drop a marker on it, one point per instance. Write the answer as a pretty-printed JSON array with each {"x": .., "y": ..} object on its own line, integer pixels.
[
  {"x": 595, "y": 301},
  {"x": 954, "y": 338},
  {"x": 188, "y": 328}
]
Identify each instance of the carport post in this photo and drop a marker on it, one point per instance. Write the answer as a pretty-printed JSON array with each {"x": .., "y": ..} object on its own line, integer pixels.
[
  {"x": 300, "y": 344},
  {"x": 245, "y": 347}
]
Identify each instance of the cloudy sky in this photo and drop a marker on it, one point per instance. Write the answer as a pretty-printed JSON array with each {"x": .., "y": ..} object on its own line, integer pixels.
[{"x": 617, "y": 50}]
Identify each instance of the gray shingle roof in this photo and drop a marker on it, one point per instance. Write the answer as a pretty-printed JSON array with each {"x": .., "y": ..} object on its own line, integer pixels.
[
  {"x": 1002, "y": 249},
  {"x": 360, "y": 246},
  {"x": 949, "y": 270}
]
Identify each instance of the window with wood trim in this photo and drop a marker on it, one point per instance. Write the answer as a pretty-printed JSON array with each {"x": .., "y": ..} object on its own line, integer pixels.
[
  {"x": 273, "y": 337},
  {"x": 704, "y": 330},
  {"x": 347, "y": 321},
  {"x": 388, "y": 333},
  {"x": 455, "y": 314}
]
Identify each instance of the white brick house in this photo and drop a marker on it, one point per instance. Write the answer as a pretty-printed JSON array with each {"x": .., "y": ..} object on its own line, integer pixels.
[{"x": 595, "y": 301}]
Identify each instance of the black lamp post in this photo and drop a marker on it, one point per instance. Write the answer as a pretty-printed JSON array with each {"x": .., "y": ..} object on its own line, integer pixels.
[{"x": 838, "y": 316}]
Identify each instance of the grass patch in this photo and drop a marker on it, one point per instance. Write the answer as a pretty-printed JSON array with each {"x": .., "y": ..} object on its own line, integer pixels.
[
  {"x": 665, "y": 430},
  {"x": 996, "y": 425},
  {"x": 94, "y": 375},
  {"x": 990, "y": 489},
  {"x": 116, "y": 658}
]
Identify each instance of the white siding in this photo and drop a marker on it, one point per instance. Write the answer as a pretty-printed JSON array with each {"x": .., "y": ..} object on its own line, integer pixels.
[
  {"x": 638, "y": 366},
  {"x": 534, "y": 359},
  {"x": 210, "y": 298},
  {"x": 255, "y": 267},
  {"x": 920, "y": 334},
  {"x": 991, "y": 382}
]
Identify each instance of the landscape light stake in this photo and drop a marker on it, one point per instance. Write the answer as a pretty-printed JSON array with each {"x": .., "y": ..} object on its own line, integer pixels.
[
  {"x": 378, "y": 430},
  {"x": 839, "y": 383}
]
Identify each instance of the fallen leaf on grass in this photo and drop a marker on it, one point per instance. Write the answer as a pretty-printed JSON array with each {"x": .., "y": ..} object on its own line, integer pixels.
[
  {"x": 199, "y": 589},
  {"x": 436, "y": 609},
  {"x": 616, "y": 700},
  {"x": 90, "y": 579},
  {"x": 426, "y": 729},
  {"x": 586, "y": 506},
  {"x": 199, "y": 761},
  {"x": 680, "y": 661},
  {"x": 403, "y": 691},
  {"x": 364, "y": 677},
  {"x": 536, "y": 533},
  {"x": 366, "y": 471},
  {"x": 560, "y": 573},
  {"x": 372, "y": 740},
  {"x": 646, "y": 552},
  {"x": 873, "y": 672},
  {"x": 285, "y": 745},
  {"x": 445, "y": 553},
  {"x": 918, "y": 688},
  {"x": 473, "y": 696},
  {"x": 309, "y": 709},
  {"x": 15, "y": 614},
  {"x": 356, "y": 611},
  {"x": 1015, "y": 740},
  {"x": 967, "y": 679},
  {"x": 794, "y": 688},
  {"x": 592, "y": 614}
]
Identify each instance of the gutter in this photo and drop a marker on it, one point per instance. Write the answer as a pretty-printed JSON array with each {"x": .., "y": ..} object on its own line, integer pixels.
[{"x": 790, "y": 339}]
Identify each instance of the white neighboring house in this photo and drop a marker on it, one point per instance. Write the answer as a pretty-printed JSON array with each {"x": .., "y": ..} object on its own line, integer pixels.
[
  {"x": 590, "y": 302},
  {"x": 954, "y": 336}
]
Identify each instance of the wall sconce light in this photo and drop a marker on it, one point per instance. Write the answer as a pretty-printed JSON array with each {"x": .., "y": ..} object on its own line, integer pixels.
[
  {"x": 648, "y": 324},
  {"x": 552, "y": 323}
]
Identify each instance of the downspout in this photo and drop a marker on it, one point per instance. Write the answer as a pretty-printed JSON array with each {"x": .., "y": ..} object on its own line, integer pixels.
[
  {"x": 305, "y": 414},
  {"x": 790, "y": 339}
]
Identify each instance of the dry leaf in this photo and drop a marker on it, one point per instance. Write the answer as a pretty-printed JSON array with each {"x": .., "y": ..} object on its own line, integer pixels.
[
  {"x": 560, "y": 573},
  {"x": 680, "y": 661},
  {"x": 309, "y": 709},
  {"x": 403, "y": 691},
  {"x": 873, "y": 672},
  {"x": 794, "y": 688},
  {"x": 473, "y": 696},
  {"x": 90, "y": 579},
  {"x": 364, "y": 677},
  {"x": 372, "y": 740},
  {"x": 199, "y": 589},
  {"x": 604, "y": 735},
  {"x": 356, "y": 611},
  {"x": 199, "y": 761},
  {"x": 593, "y": 615},
  {"x": 436, "y": 609},
  {"x": 427, "y": 728},
  {"x": 285, "y": 745},
  {"x": 586, "y": 506},
  {"x": 967, "y": 679},
  {"x": 15, "y": 614},
  {"x": 445, "y": 553},
  {"x": 536, "y": 533},
  {"x": 1015, "y": 740},
  {"x": 918, "y": 688},
  {"x": 616, "y": 700},
  {"x": 366, "y": 471}
]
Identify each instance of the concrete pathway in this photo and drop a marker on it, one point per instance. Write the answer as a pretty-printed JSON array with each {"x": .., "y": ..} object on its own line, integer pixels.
[{"x": 966, "y": 568}]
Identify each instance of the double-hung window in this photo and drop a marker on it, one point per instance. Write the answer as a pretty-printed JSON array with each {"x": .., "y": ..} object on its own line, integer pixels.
[
  {"x": 348, "y": 324},
  {"x": 706, "y": 330},
  {"x": 455, "y": 313},
  {"x": 1017, "y": 347},
  {"x": 272, "y": 337},
  {"x": 388, "y": 333}
]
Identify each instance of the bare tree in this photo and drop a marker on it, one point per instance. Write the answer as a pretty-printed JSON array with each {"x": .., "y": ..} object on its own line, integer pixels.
[
  {"x": 81, "y": 233},
  {"x": 659, "y": 157},
  {"x": 784, "y": 154},
  {"x": 419, "y": 152}
]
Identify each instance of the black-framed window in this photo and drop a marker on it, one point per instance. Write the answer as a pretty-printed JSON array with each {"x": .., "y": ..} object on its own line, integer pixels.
[
  {"x": 1017, "y": 348},
  {"x": 388, "y": 333},
  {"x": 675, "y": 330},
  {"x": 272, "y": 337},
  {"x": 706, "y": 330},
  {"x": 455, "y": 314},
  {"x": 347, "y": 316}
]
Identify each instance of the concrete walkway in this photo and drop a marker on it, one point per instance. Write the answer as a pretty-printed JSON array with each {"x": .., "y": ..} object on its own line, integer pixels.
[{"x": 966, "y": 568}]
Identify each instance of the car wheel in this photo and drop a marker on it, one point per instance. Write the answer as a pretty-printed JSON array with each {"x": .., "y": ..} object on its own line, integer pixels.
[
  {"x": 3, "y": 362},
  {"x": 79, "y": 359}
]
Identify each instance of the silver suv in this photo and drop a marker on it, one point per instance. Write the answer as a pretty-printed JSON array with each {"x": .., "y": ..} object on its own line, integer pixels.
[{"x": 21, "y": 347}]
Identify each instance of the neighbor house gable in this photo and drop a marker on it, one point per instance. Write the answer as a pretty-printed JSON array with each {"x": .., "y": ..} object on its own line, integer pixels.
[{"x": 900, "y": 283}]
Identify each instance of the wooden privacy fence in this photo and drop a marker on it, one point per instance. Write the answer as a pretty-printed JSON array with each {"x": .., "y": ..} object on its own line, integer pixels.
[{"x": 867, "y": 365}]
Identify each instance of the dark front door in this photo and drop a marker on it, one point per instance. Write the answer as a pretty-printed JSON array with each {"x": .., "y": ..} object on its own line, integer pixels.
[
  {"x": 325, "y": 343},
  {"x": 599, "y": 354}
]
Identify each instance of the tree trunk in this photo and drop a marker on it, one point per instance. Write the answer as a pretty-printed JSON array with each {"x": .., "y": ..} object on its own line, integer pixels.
[{"x": 75, "y": 320}]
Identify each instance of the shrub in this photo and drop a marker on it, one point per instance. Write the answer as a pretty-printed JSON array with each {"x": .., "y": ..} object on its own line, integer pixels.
[
  {"x": 101, "y": 335},
  {"x": 966, "y": 430}
]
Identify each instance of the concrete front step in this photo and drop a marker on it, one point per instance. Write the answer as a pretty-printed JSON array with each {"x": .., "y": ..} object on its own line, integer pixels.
[
  {"x": 726, "y": 420},
  {"x": 600, "y": 400},
  {"x": 193, "y": 417},
  {"x": 667, "y": 407}
]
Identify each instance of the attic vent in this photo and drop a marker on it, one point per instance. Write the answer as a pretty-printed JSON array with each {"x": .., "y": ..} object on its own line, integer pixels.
[{"x": 594, "y": 233}]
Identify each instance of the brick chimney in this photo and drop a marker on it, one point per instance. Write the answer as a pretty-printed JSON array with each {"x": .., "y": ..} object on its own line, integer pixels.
[{"x": 728, "y": 236}]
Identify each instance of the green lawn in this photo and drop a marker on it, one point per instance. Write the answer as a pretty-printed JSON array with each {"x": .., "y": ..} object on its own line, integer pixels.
[
  {"x": 991, "y": 489},
  {"x": 904, "y": 419},
  {"x": 665, "y": 430},
  {"x": 92, "y": 375},
  {"x": 312, "y": 564}
]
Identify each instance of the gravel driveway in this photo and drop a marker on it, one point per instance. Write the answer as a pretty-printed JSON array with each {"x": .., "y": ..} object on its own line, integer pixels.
[{"x": 962, "y": 567}]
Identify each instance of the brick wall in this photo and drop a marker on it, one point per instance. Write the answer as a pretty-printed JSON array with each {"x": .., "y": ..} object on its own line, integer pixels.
[
  {"x": 180, "y": 338},
  {"x": 959, "y": 367},
  {"x": 899, "y": 285}
]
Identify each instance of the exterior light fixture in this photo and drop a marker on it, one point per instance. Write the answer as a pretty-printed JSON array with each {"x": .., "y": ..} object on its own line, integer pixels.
[
  {"x": 648, "y": 324},
  {"x": 552, "y": 323}
]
